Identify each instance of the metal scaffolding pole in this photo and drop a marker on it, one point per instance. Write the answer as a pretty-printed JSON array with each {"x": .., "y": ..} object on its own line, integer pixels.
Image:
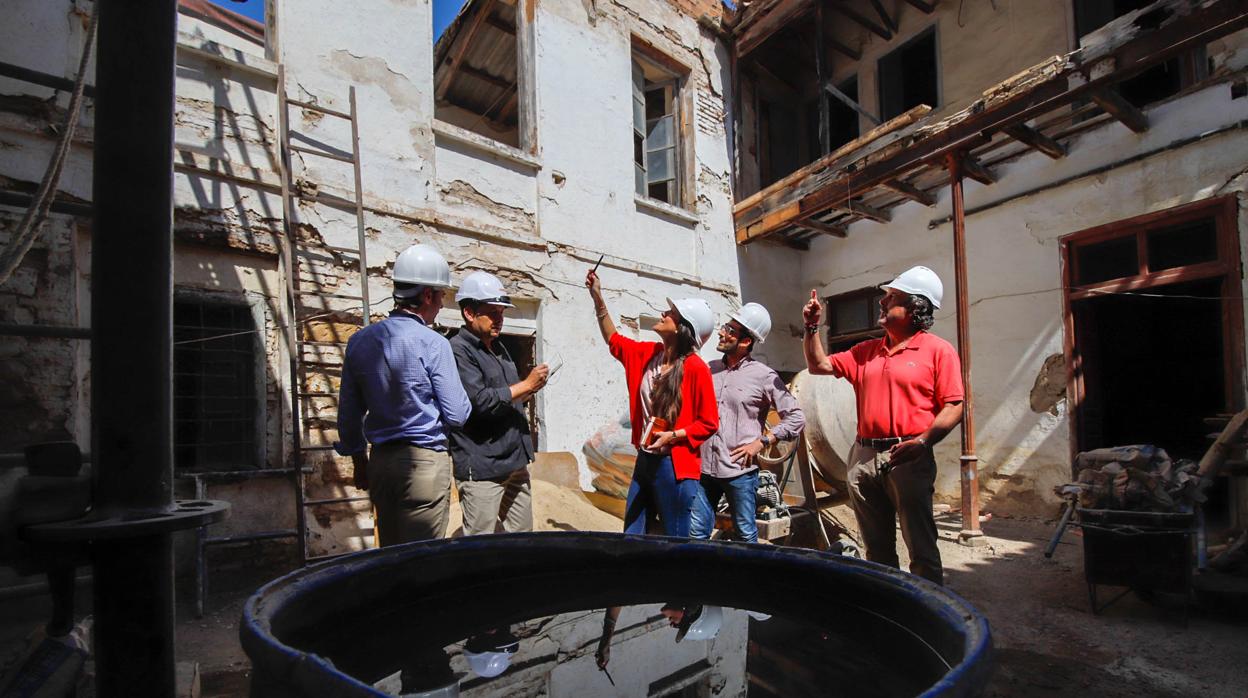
[{"x": 969, "y": 462}]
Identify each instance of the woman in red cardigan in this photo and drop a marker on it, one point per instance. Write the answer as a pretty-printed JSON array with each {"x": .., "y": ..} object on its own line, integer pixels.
[{"x": 669, "y": 391}]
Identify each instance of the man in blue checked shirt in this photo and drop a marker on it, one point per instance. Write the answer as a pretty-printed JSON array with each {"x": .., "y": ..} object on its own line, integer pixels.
[{"x": 400, "y": 392}]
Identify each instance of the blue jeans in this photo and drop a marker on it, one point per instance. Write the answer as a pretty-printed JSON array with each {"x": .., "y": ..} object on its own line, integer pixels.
[
  {"x": 656, "y": 493},
  {"x": 740, "y": 491}
]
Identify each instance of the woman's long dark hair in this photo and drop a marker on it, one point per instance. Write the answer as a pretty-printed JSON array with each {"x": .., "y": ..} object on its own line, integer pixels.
[{"x": 665, "y": 395}]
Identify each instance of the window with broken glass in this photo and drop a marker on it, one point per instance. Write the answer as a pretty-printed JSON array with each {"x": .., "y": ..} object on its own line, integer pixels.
[
  {"x": 216, "y": 398},
  {"x": 656, "y": 155}
]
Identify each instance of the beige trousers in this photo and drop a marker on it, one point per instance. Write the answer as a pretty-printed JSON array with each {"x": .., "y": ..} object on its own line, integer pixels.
[
  {"x": 882, "y": 492},
  {"x": 411, "y": 489},
  {"x": 495, "y": 506}
]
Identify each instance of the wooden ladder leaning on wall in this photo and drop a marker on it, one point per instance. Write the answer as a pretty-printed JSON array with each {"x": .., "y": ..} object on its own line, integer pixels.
[{"x": 304, "y": 349}]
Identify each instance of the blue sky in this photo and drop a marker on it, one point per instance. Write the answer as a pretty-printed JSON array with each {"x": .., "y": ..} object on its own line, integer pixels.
[
  {"x": 249, "y": 8},
  {"x": 444, "y": 11}
]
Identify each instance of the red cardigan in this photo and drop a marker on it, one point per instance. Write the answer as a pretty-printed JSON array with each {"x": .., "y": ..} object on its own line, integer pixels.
[{"x": 699, "y": 413}]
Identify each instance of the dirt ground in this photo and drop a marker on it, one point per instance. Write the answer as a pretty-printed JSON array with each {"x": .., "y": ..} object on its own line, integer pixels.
[{"x": 1047, "y": 642}]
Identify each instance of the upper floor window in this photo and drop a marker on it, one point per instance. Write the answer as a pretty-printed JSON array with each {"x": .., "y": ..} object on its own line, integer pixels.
[
  {"x": 909, "y": 76},
  {"x": 657, "y": 118},
  {"x": 478, "y": 80}
]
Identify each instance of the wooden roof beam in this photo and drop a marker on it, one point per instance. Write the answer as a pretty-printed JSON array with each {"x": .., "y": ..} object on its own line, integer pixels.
[
  {"x": 843, "y": 49},
  {"x": 460, "y": 48},
  {"x": 815, "y": 226},
  {"x": 864, "y": 211},
  {"x": 910, "y": 192},
  {"x": 926, "y": 8},
  {"x": 975, "y": 170},
  {"x": 1117, "y": 106},
  {"x": 770, "y": 19},
  {"x": 888, "y": 21},
  {"x": 852, "y": 14},
  {"x": 1029, "y": 136},
  {"x": 468, "y": 69}
]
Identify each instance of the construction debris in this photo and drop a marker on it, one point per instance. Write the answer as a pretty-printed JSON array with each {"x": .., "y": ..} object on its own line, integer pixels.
[{"x": 1134, "y": 478}]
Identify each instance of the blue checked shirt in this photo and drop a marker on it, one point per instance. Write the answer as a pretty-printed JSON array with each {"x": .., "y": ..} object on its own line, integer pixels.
[{"x": 399, "y": 383}]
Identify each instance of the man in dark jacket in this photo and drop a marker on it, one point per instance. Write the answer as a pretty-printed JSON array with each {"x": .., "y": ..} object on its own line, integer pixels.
[{"x": 493, "y": 449}]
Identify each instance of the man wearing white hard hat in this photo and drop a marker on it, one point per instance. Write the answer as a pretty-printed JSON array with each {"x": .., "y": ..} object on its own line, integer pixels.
[
  {"x": 671, "y": 404},
  {"x": 493, "y": 449},
  {"x": 746, "y": 389},
  {"x": 400, "y": 392},
  {"x": 909, "y": 392}
]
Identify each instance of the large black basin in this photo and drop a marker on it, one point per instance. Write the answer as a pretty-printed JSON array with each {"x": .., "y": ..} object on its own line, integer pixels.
[{"x": 335, "y": 628}]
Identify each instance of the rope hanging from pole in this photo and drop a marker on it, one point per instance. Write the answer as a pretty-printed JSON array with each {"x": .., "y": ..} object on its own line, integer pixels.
[{"x": 32, "y": 222}]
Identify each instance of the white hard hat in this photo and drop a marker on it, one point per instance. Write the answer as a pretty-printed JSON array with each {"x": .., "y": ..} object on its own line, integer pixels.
[
  {"x": 697, "y": 313},
  {"x": 919, "y": 281},
  {"x": 755, "y": 319},
  {"x": 483, "y": 287},
  {"x": 488, "y": 664},
  {"x": 706, "y": 626},
  {"x": 422, "y": 265}
]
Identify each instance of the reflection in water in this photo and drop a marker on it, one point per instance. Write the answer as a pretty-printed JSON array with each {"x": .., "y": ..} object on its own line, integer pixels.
[{"x": 673, "y": 649}]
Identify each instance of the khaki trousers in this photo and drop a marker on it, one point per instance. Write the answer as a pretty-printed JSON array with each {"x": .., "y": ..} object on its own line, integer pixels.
[
  {"x": 881, "y": 491},
  {"x": 411, "y": 489},
  {"x": 503, "y": 504}
]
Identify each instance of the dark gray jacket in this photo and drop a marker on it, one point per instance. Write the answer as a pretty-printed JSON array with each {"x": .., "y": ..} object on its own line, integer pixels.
[{"x": 495, "y": 440}]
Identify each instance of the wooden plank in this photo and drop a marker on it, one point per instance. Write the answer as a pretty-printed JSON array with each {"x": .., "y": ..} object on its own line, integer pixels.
[
  {"x": 910, "y": 192},
  {"x": 1029, "y": 136},
  {"x": 849, "y": 102},
  {"x": 483, "y": 76},
  {"x": 853, "y": 14},
  {"x": 1115, "y": 104},
  {"x": 822, "y": 228},
  {"x": 772, "y": 19},
  {"x": 1034, "y": 92},
  {"x": 976, "y": 171},
  {"x": 460, "y": 49},
  {"x": 526, "y": 70}
]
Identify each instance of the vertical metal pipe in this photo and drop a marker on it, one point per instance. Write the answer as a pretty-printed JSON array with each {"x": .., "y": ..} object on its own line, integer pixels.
[
  {"x": 969, "y": 470},
  {"x": 132, "y": 355}
]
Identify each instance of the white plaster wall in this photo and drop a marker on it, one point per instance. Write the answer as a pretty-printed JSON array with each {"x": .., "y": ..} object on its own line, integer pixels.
[{"x": 1014, "y": 276}]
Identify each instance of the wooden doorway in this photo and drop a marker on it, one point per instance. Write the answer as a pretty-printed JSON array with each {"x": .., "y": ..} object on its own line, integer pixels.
[{"x": 1154, "y": 335}]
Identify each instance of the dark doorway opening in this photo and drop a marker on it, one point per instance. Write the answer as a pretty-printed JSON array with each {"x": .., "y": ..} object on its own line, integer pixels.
[{"x": 1152, "y": 367}]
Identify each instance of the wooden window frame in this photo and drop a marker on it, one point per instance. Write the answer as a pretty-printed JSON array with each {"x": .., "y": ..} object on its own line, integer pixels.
[
  {"x": 1224, "y": 213},
  {"x": 682, "y": 101},
  {"x": 831, "y": 338}
]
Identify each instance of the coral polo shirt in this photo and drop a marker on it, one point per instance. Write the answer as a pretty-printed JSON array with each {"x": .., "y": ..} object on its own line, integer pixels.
[{"x": 899, "y": 393}]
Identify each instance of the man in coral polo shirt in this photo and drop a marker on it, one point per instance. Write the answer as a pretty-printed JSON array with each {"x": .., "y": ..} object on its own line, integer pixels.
[{"x": 909, "y": 393}]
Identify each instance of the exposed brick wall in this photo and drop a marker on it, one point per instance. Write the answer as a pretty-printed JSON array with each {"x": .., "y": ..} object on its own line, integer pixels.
[{"x": 697, "y": 8}]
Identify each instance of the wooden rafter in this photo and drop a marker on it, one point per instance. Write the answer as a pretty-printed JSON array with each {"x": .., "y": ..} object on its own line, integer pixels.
[
  {"x": 866, "y": 22},
  {"x": 814, "y": 226},
  {"x": 864, "y": 211},
  {"x": 468, "y": 69},
  {"x": 766, "y": 20},
  {"x": 975, "y": 170},
  {"x": 462, "y": 41},
  {"x": 910, "y": 192},
  {"x": 1117, "y": 106},
  {"x": 1029, "y": 136},
  {"x": 843, "y": 49},
  {"x": 926, "y": 8},
  {"x": 884, "y": 16}
]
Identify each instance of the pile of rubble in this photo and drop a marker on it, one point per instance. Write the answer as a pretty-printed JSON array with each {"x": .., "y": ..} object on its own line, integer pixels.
[{"x": 1135, "y": 478}]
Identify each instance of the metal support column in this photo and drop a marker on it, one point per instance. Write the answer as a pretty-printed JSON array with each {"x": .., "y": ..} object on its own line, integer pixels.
[
  {"x": 132, "y": 371},
  {"x": 969, "y": 470}
]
